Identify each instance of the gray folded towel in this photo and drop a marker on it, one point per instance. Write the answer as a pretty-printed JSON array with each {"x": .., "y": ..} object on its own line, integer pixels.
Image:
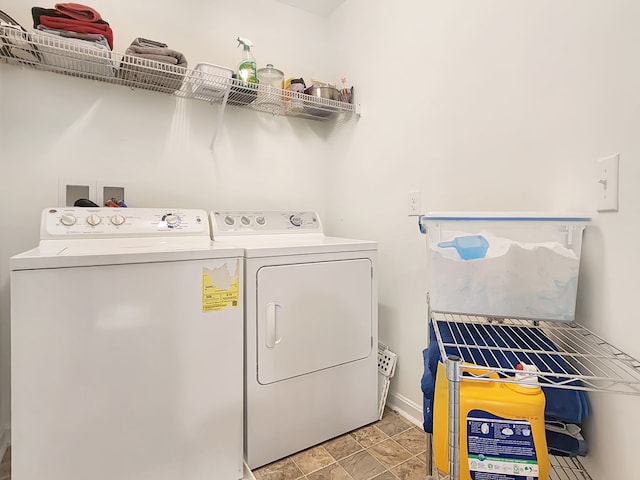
[
  {"x": 87, "y": 37},
  {"x": 145, "y": 42},
  {"x": 150, "y": 64},
  {"x": 158, "y": 54}
]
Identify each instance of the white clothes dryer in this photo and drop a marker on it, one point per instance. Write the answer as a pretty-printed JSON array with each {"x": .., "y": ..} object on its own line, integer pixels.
[
  {"x": 126, "y": 349},
  {"x": 311, "y": 331}
]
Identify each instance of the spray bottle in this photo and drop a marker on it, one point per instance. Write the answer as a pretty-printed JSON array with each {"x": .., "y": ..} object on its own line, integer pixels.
[{"x": 247, "y": 74}]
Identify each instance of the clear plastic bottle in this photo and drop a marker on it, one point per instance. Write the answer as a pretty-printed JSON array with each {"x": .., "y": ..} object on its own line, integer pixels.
[{"x": 247, "y": 68}]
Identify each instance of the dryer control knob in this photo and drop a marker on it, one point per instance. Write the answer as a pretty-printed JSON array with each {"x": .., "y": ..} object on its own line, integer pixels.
[
  {"x": 295, "y": 220},
  {"x": 172, "y": 219},
  {"x": 229, "y": 220},
  {"x": 93, "y": 220},
  {"x": 260, "y": 220},
  {"x": 117, "y": 220},
  {"x": 67, "y": 219},
  {"x": 245, "y": 220}
]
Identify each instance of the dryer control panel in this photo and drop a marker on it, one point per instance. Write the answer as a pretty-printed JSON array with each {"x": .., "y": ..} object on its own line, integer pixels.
[
  {"x": 106, "y": 222},
  {"x": 265, "y": 222}
]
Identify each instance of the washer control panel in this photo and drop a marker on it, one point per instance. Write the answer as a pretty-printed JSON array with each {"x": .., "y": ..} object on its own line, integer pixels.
[
  {"x": 65, "y": 222},
  {"x": 265, "y": 222}
]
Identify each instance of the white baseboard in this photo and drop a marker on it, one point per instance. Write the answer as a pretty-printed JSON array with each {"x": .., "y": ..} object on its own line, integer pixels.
[
  {"x": 247, "y": 473},
  {"x": 405, "y": 408},
  {"x": 5, "y": 438}
]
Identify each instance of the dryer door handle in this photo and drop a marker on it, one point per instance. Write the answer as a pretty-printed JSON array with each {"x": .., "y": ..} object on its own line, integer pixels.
[{"x": 272, "y": 337}]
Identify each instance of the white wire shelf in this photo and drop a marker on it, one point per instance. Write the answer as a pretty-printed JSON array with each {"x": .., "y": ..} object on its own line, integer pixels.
[
  {"x": 84, "y": 60},
  {"x": 562, "y": 468},
  {"x": 568, "y": 355}
]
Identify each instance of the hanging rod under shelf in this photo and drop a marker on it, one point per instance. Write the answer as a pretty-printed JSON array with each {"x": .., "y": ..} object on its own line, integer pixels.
[
  {"x": 84, "y": 60},
  {"x": 568, "y": 355}
]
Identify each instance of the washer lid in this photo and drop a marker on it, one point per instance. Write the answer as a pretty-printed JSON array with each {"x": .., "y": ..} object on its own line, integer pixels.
[{"x": 120, "y": 253}]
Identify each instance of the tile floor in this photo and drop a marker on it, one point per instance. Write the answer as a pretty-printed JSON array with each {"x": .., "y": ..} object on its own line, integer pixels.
[{"x": 389, "y": 449}]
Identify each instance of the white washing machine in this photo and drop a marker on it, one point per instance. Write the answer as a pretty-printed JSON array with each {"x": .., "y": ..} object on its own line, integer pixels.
[
  {"x": 311, "y": 331},
  {"x": 126, "y": 349}
]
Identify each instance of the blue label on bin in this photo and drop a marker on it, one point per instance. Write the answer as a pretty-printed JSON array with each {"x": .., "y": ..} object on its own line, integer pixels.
[{"x": 500, "y": 448}]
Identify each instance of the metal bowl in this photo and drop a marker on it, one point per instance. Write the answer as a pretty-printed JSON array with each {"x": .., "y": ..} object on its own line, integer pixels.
[
  {"x": 322, "y": 110},
  {"x": 330, "y": 93}
]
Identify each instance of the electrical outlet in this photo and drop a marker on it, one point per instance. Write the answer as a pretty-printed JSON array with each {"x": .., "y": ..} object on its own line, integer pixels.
[
  {"x": 607, "y": 178},
  {"x": 413, "y": 199}
]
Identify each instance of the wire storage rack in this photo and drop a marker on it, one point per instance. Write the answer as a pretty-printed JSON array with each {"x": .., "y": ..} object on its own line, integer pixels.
[
  {"x": 568, "y": 356},
  {"x": 81, "y": 59}
]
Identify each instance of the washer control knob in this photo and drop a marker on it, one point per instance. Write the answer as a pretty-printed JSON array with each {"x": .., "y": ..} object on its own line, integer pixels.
[
  {"x": 67, "y": 219},
  {"x": 117, "y": 219},
  {"x": 93, "y": 220},
  {"x": 296, "y": 220},
  {"x": 172, "y": 219},
  {"x": 229, "y": 220},
  {"x": 260, "y": 220},
  {"x": 245, "y": 220}
]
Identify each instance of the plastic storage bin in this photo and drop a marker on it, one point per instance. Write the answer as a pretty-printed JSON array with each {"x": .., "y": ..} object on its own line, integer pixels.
[
  {"x": 522, "y": 265},
  {"x": 209, "y": 81}
]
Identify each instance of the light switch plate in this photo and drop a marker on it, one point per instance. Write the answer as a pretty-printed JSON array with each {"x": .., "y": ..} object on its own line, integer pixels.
[{"x": 607, "y": 178}]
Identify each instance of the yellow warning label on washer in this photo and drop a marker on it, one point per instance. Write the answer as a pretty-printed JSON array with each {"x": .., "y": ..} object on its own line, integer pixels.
[{"x": 221, "y": 286}]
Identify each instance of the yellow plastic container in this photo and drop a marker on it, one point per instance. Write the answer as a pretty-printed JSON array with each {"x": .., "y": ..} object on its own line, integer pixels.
[{"x": 502, "y": 432}]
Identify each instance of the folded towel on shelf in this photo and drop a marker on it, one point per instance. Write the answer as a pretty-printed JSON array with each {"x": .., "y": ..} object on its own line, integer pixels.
[
  {"x": 78, "y": 11},
  {"x": 54, "y": 19},
  {"x": 145, "y": 42},
  {"x": 37, "y": 12},
  {"x": 164, "y": 55},
  {"x": 148, "y": 65},
  {"x": 78, "y": 26},
  {"x": 566, "y": 405},
  {"x": 88, "y": 37},
  {"x": 92, "y": 58}
]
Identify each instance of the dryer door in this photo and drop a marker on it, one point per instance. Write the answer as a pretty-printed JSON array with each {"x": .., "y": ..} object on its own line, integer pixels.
[{"x": 312, "y": 316}]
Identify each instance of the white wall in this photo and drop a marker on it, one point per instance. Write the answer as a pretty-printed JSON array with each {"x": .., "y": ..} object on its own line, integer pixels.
[
  {"x": 493, "y": 105},
  {"x": 486, "y": 105},
  {"x": 55, "y": 127}
]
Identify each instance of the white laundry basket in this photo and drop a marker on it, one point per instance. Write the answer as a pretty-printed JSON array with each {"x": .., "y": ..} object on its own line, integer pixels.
[{"x": 386, "y": 368}]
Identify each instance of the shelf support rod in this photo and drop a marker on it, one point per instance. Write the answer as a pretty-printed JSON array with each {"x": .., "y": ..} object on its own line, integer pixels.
[
  {"x": 454, "y": 375},
  {"x": 220, "y": 117}
]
